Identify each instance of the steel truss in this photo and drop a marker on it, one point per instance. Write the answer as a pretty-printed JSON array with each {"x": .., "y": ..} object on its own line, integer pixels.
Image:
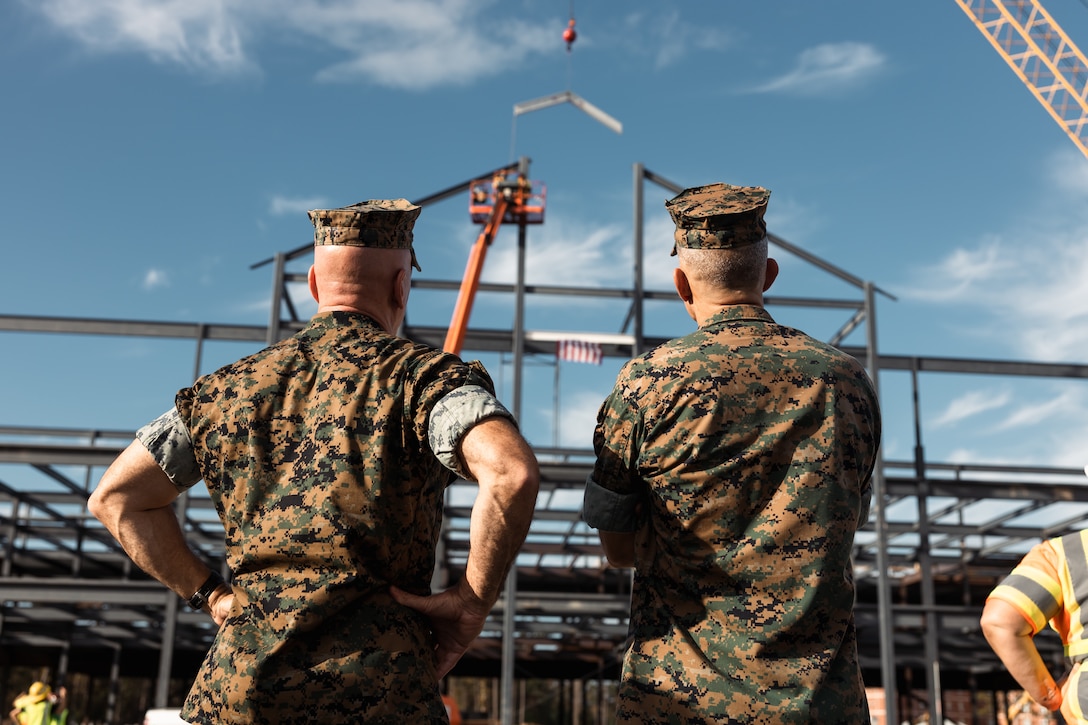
[{"x": 940, "y": 537}]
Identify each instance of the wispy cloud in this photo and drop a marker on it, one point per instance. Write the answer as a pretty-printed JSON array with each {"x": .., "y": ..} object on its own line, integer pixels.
[
  {"x": 457, "y": 46},
  {"x": 1052, "y": 418},
  {"x": 154, "y": 279},
  {"x": 665, "y": 37},
  {"x": 578, "y": 418},
  {"x": 1070, "y": 174},
  {"x": 568, "y": 254},
  {"x": 1035, "y": 295},
  {"x": 657, "y": 267},
  {"x": 673, "y": 38},
  {"x": 281, "y": 205},
  {"x": 971, "y": 404},
  {"x": 1066, "y": 404},
  {"x": 410, "y": 44},
  {"x": 199, "y": 34},
  {"x": 964, "y": 272},
  {"x": 1031, "y": 281},
  {"x": 828, "y": 69}
]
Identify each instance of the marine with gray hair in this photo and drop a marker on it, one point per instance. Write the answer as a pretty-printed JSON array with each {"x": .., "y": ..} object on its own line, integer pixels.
[{"x": 732, "y": 470}]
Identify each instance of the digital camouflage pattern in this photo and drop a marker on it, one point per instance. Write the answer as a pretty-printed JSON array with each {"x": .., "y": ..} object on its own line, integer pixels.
[
  {"x": 467, "y": 403},
  {"x": 745, "y": 448},
  {"x": 315, "y": 452},
  {"x": 718, "y": 216},
  {"x": 377, "y": 223}
]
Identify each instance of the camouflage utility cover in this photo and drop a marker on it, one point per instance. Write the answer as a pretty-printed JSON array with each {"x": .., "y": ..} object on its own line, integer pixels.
[
  {"x": 718, "y": 216},
  {"x": 315, "y": 452},
  {"x": 378, "y": 223},
  {"x": 740, "y": 455}
]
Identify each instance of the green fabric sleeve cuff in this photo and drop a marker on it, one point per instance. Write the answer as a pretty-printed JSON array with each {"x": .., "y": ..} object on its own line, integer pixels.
[
  {"x": 610, "y": 511},
  {"x": 168, "y": 442},
  {"x": 454, "y": 416}
]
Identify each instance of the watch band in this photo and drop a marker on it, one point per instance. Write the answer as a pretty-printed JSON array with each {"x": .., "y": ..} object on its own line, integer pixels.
[{"x": 199, "y": 600}]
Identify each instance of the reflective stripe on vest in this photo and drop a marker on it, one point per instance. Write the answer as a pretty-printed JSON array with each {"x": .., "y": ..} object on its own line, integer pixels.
[{"x": 1074, "y": 548}]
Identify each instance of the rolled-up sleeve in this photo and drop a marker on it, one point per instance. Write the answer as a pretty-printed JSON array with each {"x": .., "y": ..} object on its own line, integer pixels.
[
  {"x": 614, "y": 492},
  {"x": 453, "y": 416},
  {"x": 168, "y": 442},
  {"x": 608, "y": 510}
]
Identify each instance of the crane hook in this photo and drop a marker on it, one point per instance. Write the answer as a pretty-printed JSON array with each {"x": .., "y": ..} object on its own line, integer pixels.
[{"x": 569, "y": 35}]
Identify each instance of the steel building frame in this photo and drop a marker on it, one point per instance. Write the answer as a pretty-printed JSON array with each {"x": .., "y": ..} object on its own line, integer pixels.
[{"x": 940, "y": 536}]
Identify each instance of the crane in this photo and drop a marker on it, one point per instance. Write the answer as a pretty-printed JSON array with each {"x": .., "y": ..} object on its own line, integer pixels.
[
  {"x": 509, "y": 196},
  {"x": 1041, "y": 55}
]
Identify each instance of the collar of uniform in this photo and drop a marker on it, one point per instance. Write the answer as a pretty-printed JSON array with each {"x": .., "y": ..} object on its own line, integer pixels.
[
  {"x": 342, "y": 318},
  {"x": 739, "y": 313}
]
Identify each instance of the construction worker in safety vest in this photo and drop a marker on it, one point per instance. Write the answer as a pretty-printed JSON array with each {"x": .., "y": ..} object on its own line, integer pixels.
[{"x": 1043, "y": 588}]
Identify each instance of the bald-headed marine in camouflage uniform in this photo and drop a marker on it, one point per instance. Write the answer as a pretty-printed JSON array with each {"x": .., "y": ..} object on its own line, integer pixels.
[
  {"x": 732, "y": 471},
  {"x": 327, "y": 455}
]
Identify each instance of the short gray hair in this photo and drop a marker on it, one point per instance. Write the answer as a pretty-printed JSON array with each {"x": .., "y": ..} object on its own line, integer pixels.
[{"x": 741, "y": 268}]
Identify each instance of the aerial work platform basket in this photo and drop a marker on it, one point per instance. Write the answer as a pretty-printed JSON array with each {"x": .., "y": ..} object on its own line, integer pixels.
[{"x": 525, "y": 199}]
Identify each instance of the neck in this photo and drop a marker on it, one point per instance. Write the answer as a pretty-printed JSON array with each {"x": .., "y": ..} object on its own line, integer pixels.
[
  {"x": 386, "y": 319},
  {"x": 701, "y": 310}
]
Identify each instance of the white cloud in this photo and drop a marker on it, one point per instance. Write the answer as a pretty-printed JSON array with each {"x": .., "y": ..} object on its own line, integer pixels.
[
  {"x": 412, "y": 44},
  {"x": 153, "y": 279},
  {"x": 408, "y": 44},
  {"x": 281, "y": 205},
  {"x": 1028, "y": 284},
  {"x": 970, "y": 404},
  {"x": 1067, "y": 403},
  {"x": 964, "y": 272},
  {"x": 667, "y": 38},
  {"x": 567, "y": 254},
  {"x": 200, "y": 34},
  {"x": 458, "y": 49},
  {"x": 1035, "y": 295},
  {"x": 578, "y": 417},
  {"x": 1069, "y": 171},
  {"x": 674, "y": 38},
  {"x": 1071, "y": 446},
  {"x": 828, "y": 68},
  {"x": 657, "y": 240}
]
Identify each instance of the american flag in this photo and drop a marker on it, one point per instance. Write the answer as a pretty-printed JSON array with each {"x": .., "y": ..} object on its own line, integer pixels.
[{"x": 579, "y": 351}]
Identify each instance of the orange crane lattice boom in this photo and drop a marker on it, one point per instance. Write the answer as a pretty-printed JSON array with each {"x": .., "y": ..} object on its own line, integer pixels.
[{"x": 1041, "y": 55}]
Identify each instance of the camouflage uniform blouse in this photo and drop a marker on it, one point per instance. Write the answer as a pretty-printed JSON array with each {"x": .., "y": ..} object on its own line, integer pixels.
[
  {"x": 321, "y": 454},
  {"x": 741, "y": 456}
]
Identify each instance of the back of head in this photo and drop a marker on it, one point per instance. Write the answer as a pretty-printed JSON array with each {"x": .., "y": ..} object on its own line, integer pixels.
[
  {"x": 359, "y": 249},
  {"x": 373, "y": 224},
  {"x": 721, "y": 236}
]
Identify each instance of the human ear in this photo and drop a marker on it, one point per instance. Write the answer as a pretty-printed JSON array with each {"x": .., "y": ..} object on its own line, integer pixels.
[
  {"x": 402, "y": 285},
  {"x": 771, "y": 274},
  {"x": 683, "y": 287}
]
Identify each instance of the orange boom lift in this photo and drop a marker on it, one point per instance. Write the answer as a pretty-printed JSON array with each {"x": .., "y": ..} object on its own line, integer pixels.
[{"x": 508, "y": 197}]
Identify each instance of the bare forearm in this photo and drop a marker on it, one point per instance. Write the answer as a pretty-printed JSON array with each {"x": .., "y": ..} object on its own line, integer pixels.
[
  {"x": 1011, "y": 638},
  {"x": 500, "y": 460},
  {"x": 507, "y": 472},
  {"x": 134, "y": 501},
  {"x": 496, "y": 531},
  {"x": 154, "y": 541},
  {"x": 1023, "y": 662}
]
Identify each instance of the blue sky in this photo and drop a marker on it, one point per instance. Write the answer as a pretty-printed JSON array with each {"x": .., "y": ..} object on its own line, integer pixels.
[{"x": 153, "y": 151}]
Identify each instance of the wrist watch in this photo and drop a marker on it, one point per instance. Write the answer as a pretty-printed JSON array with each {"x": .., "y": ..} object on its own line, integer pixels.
[{"x": 198, "y": 601}]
